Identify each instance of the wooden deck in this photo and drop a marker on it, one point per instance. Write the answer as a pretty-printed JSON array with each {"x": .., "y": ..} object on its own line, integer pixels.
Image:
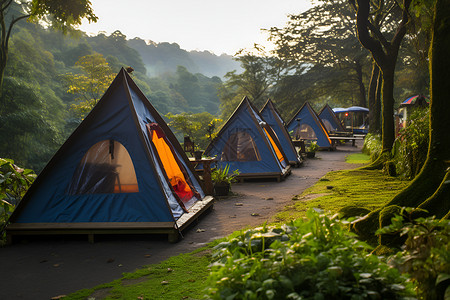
[
  {"x": 274, "y": 175},
  {"x": 90, "y": 229}
]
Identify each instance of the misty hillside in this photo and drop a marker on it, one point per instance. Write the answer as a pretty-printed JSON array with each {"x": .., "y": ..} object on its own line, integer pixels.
[{"x": 161, "y": 58}]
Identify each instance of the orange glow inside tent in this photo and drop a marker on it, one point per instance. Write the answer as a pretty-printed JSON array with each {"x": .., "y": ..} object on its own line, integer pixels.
[
  {"x": 277, "y": 151},
  {"x": 172, "y": 169}
]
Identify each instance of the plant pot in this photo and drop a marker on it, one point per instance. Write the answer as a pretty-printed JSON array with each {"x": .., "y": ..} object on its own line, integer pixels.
[
  {"x": 222, "y": 189},
  {"x": 310, "y": 154},
  {"x": 198, "y": 155}
]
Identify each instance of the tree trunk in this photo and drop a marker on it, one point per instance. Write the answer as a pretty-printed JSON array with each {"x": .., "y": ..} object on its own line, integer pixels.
[
  {"x": 377, "y": 115},
  {"x": 374, "y": 119},
  {"x": 430, "y": 189},
  {"x": 362, "y": 88},
  {"x": 387, "y": 125}
]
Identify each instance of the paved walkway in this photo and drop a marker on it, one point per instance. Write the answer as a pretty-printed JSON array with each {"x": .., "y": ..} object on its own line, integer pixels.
[{"x": 44, "y": 267}]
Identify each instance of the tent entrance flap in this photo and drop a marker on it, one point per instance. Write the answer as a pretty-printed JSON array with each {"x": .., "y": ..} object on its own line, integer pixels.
[
  {"x": 275, "y": 147},
  {"x": 105, "y": 168},
  {"x": 175, "y": 172}
]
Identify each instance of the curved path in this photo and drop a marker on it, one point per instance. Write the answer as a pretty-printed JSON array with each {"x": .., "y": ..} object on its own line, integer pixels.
[{"x": 45, "y": 267}]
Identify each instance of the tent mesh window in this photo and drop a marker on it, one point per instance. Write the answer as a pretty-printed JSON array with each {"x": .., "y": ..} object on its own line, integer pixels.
[
  {"x": 240, "y": 146},
  {"x": 105, "y": 168},
  {"x": 304, "y": 132},
  {"x": 328, "y": 125}
]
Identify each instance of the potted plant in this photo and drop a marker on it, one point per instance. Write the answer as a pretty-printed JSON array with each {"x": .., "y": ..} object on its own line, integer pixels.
[
  {"x": 311, "y": 149},
  {"x": 222, "y": 180}
]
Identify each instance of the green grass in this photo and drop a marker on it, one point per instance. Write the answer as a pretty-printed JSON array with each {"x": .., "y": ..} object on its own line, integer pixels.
[
  {"x": 336, "y": 190},
  {"x": 357, "y": 158},
  {"x": 187, "y": 277},
  {"x": 179, "y": 277}
]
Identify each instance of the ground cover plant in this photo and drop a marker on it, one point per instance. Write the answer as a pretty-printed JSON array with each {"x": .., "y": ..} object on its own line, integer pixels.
[
  {"x": 316, "y": 258},
  {"x": 425, "y": 254}
]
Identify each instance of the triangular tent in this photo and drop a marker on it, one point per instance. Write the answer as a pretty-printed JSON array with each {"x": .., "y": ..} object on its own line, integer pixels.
[
  {"x": 248, "y": 144},
  {"x": 273, "y": 118},
  {"x": 306, "y": 125},
  {"x": 329, "y": 119},
  {"x": 121, "y": 170}
]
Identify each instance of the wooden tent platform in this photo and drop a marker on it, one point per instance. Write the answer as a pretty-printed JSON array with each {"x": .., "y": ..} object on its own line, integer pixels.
[
  {"x": 274, "y": 175},
  {"x": 172, "y": 229}
]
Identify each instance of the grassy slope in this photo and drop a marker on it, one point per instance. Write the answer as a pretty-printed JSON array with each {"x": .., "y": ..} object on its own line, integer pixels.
[{"x": 186, "y": 278}]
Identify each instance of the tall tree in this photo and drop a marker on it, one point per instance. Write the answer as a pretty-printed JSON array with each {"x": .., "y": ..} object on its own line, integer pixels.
[
  {"x": 60, "y": 14},
  {"x": 430, "y": 189},
  {"x": 325, "y": 35},
  {"x": 89, "y": 86},
  {"x": 384, "y": 52}
]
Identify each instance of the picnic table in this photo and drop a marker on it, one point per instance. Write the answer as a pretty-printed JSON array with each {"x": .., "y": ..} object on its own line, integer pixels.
[
  {"x": 336, "y": 138},
  {"x": 206, "y": 174}
]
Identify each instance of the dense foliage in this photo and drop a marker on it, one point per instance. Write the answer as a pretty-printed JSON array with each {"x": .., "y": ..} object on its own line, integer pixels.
[
  {"x": 14, "y": 182},
  {"x": 372, "y": 145},
  {"x": 426, "y": 252},
  {"x": 411, "y": 146},
  {"x": 200, "y": 127},
  {"x": 307, "y": 259}
]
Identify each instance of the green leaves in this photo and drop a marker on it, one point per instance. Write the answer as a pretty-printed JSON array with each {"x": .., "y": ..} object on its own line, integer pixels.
[
  {"x": 89, "y": 86},
  {"x": 426, "y": 254},
  {"x": 14, "y": 182},
  {"x": 219, "y": 175},
  {"x": 316, "y": 258}
]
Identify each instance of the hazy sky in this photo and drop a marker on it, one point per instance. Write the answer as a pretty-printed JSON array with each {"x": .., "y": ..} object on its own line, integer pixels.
[{"x": 223, "y": 26}]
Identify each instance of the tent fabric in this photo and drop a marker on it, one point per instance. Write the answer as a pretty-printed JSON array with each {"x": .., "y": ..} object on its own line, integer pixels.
[
  {"x": 278, "y": 153},
  {"x": 329, "y": 119},
  {"x": 305, "y": 124},
  {"x": 273, "y": 118},
  {"x": 112, "y": 139},
  {"x": 244, "y": 145}
]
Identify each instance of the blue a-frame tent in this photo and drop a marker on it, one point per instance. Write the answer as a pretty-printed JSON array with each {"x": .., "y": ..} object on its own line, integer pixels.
[
  {"x": 306, "y": 125},
  {"x": 329, "y": 119},
  {"x": 274, "y": 119},
  {"x": 114, "y": 175},
  {"x": 248, "y": 144}
]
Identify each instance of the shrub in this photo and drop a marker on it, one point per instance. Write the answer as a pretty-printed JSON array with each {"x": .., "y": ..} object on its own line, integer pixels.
[
  {"x": 14, "y": 182},
  {"x": 372, "y": 145},
  {"x": 426, "y": 252},
  {"x": 307, "y": 259},
  {"x": 411, "y": 147}
]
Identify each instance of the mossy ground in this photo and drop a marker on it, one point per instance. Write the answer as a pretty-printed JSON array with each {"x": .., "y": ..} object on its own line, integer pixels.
[
  {"x": 369, "y": 189},
  {"x": 186, "y": 279},
  {"x": 180, "y": 277}
]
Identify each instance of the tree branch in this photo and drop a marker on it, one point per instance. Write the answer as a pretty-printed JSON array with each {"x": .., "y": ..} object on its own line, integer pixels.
[
  {"x": 11, "y": 26},
  {"x": 362, "y": 24}
]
